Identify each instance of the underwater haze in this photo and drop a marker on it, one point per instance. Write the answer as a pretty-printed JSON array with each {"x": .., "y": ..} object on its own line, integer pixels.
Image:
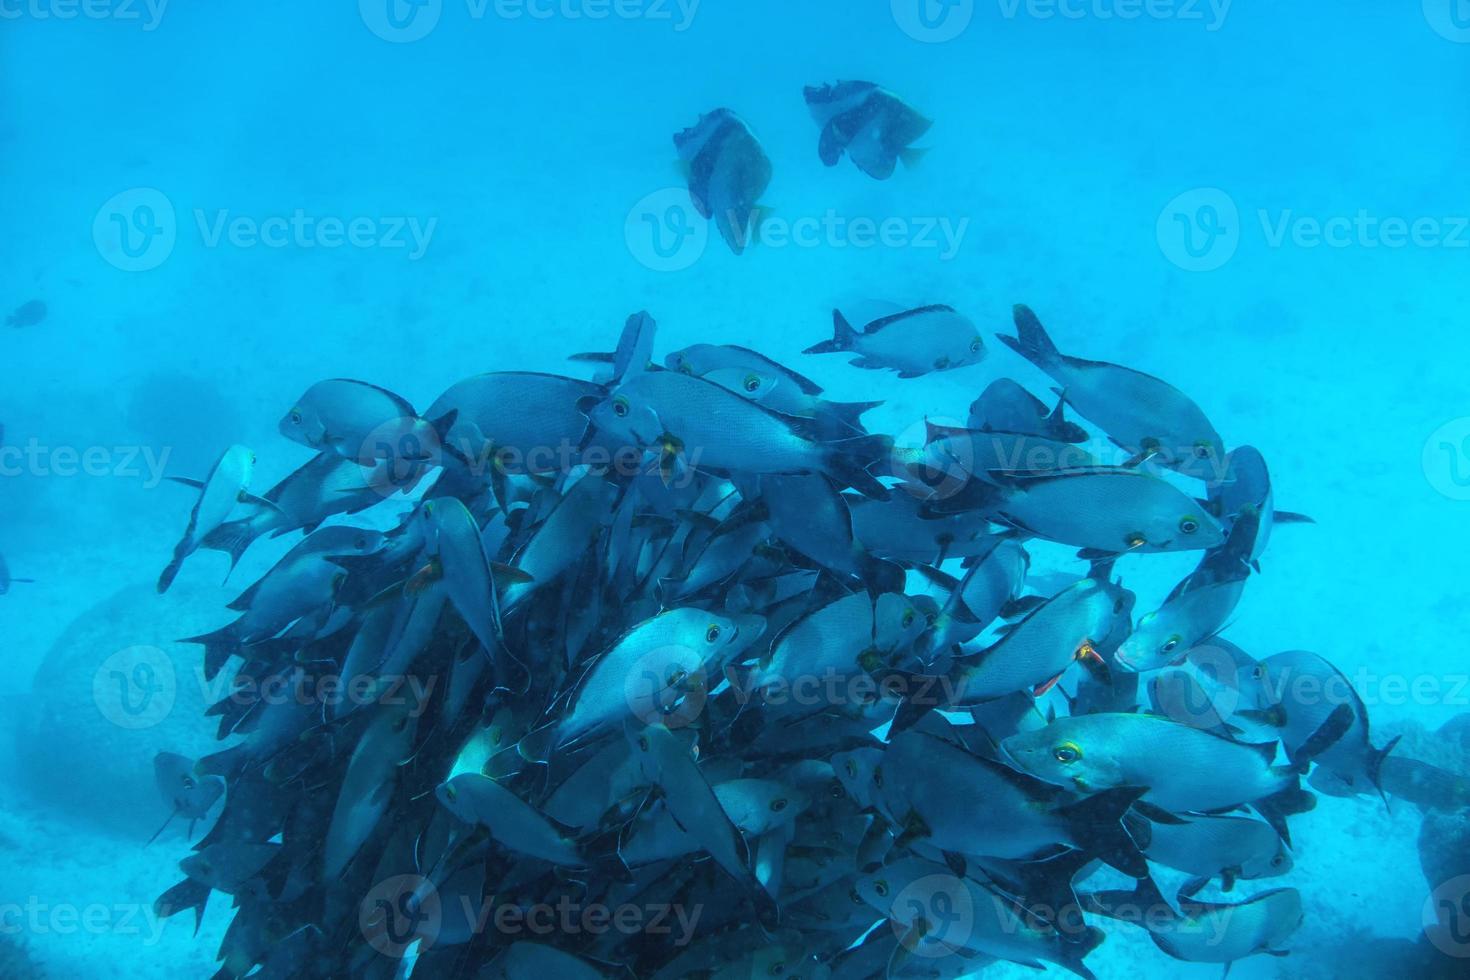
[{"x": 451, "y": 642}]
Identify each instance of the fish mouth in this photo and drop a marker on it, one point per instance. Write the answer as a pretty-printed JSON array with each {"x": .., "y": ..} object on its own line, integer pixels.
[{"x": 1121, "y": 659}]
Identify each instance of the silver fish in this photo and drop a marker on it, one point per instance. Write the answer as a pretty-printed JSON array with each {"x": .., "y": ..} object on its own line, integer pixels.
[
  {"x": 1147, "y": 417},
  {"x": 913, "y": 343}
]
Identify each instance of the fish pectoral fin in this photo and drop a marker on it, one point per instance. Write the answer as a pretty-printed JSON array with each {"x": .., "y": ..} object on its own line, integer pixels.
[{"x": 185, "y": 481}]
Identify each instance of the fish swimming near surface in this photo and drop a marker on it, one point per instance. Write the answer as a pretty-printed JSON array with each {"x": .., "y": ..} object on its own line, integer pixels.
[
  {"x": 1145, "y": 416},
  {"x": 913, "y": 343},
  {"x": 874, "y": 127},
  {"x": 28, "y": 314},
  {"x": 728, "y": 172}
]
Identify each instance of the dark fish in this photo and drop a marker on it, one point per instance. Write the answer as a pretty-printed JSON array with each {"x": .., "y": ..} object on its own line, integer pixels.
[
  {"x": 27, "y": 314},
  {"x": 1005, "y": 406},
  {"x": 728, "y": 171},
  {"x": 874, "y": 127}
]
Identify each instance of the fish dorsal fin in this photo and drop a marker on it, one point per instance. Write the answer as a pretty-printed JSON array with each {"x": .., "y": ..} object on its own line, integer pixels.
[
  {"x": 398, "y": 400},
  {"x": 886, "y": 321}
]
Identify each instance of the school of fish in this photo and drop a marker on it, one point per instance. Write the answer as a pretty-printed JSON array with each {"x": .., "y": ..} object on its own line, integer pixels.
[{"x": 681, "y": 656}]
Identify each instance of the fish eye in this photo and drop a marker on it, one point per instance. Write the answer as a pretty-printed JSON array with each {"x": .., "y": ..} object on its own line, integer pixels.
[
  {"x": 880, "y": 887},
  {"x": 1202, "y": 450},
  {"x": 712, "y": 634},
  {"x": 360, "y": 544},
  {"x": 856, "y": 896},
  {"x": 778, "y": 805},
  {"x": 752, "y": 383},
  {"x": 620, "y": 407},
  {"x": 643, "y": 743},
  {"x": 1189, "y": 525},
  {"x": 295, "y": 417},
  {"x": 777, "y": 969},
  {"x": 851, "y": 767},
  {"x": 1257, "y": 672},
  {"x": 975, "y": 346},
  {"x": 908, "y": 619},
  {"x": 450, "y": 793},
  {"x": 878, "y": 776},
  {"x": 1135, "y": 539},
  {"x": 838, "y": 792},
  {"x": 1067, "y": 752},
  {"x": 1170, "y": 645},
  {"x": 1278, "y": 860}
]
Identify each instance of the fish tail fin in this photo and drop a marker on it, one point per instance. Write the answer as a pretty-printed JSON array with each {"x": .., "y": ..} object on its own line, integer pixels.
[
  {"x": 1095, "y": 824},
  {"x": 233, "y": 538},
  {"x": 913, "y": 156},
  {"x": 218, "y": 648},
  {"x": 1031, "y": 341},
  {"x": 848, "y": 461},
  {"x": 1375, "y": 765},
  {"x": 1074, "y": 953},
  {"x": 848, "y": 414},
  {"x": 187, "y": 894},
  {"x": 844, "y": 337},
  {"x": 441, "y": 427},
  {"x": 1292, "y": 800},
  {"x": 171, "y": 571}
]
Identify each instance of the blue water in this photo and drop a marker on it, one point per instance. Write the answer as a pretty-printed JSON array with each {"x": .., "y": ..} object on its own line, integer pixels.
[{"x": 221, "y": 204}]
